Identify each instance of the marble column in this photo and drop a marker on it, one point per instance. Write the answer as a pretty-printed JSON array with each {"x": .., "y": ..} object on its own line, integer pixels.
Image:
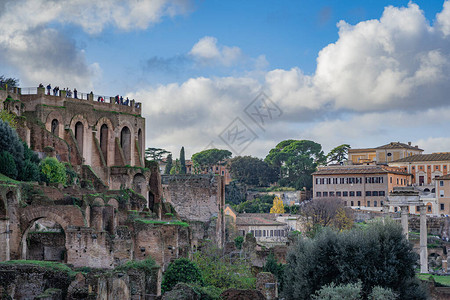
[
  {"x": 405, "y": 211},
  {"x": 423, "y": 240}
]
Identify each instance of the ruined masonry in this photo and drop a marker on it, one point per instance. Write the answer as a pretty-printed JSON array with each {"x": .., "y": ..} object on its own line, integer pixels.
[{"x": 116, "y": 210}]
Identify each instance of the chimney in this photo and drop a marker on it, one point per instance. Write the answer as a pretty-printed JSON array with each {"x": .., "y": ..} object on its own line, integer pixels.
[
  {"x": 416, "y": 146},
  {"x": 409, "y": 143}
]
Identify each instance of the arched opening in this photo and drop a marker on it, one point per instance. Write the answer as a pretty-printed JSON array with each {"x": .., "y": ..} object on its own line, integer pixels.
[
  {"x": 2, "y": 208},
  {"x": 140, "y": 141},
  {"x": 433, "y": 190},
  {"x": 139, "y": 184},
  {"x": 55, "y": 127},
  {"x": 79, "y": 134},
  {"x": 125, "y": 143},
  {"x": 427, "y": 190},
  {"x": 104, "y": 142},
  {"x": 44, "y": 240},
  {"x": 151, "y": 201}
]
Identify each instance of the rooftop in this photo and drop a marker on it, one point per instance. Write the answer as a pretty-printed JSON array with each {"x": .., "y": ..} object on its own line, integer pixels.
[
  {"x": 398, "y": 145},
  {"x": 258, "y": 219},
  {"x": 445, "y": 156},
  {"x": 353, "y": 169}
]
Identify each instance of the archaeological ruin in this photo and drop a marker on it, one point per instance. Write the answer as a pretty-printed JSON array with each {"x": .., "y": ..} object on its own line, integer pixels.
[{"x": 115, "y": 211}]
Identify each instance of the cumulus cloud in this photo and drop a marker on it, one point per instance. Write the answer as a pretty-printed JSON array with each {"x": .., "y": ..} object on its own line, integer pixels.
[
  {"x": 206, "y": 51},
  {"x": 30, "y": 42},
  {"x": 382, "y": 80}
]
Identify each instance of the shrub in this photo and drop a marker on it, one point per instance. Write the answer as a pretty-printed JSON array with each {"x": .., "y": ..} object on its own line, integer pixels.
[
  {"x": 349, "y": 291},
  {"x": 379, "y": 255},
  {"x": 8, "y": 165},
  {"x": 238, "y": 241},
  {"x": 29, "y": 171},
  {"x": 53, "y": 171},
  {"x": 181, "y": 270}
]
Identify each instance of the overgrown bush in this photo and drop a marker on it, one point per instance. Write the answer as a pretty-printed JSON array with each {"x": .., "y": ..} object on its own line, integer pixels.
[
  {"x": 8, "y": 165},
  {"x": 379, "y": 255},
  {"x": 181, "y": 270},
  {"x": 53, "y": 171},
  {"x": 238, "y": 241},
  {"x": 147, "y": 265}
]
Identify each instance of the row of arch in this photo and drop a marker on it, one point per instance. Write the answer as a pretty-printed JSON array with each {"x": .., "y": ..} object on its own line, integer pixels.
[{"x": 105, "y": 136}]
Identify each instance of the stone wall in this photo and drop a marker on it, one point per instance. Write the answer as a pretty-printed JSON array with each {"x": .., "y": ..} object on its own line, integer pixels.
[{"x": 198, "y": 198}]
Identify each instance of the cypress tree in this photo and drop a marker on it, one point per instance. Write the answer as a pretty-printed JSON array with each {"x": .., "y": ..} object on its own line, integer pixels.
[
  {"x": 169, "y": 164},
  {"x": 182, "y": 161}
]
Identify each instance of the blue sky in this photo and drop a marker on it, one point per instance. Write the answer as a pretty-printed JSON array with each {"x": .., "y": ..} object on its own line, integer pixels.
[{"x": 358, "y": 72}]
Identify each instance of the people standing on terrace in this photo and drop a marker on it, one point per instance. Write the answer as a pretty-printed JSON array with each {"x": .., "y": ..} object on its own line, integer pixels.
[
  {"x": 75, "y": 93},
  {"x": 49, "y": 87}
]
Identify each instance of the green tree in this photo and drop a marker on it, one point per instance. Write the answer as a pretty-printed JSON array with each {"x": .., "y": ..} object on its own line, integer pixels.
[
  {"x": 238, "y": 241},
  {"x": 11, "y": 143},
  {"x": 350, "y": 291},
  {"x": 222, "y": 271},
  {"x": 257, "y": 205},
  {"x": 182, "y": 161},
  {"x": 234, "y": 193},
  {"x": 296, "y": 160},
  {"x": 176, "y": 168},
  {"x": 8, "y": 165},
  {"x": 181, "y": 270},
  {"x": 379, "y": 293},
  {"x": 156, "y": 154},
  {"x": 252, "y": 171},
  {"x": 9, "y": 118},
  {"x": 275, "y": 268},
  {"x": 379, "y": 255},
  {"x": 11, "y": 82},
  {"x": 169, "y": 164},
  {"x": 338, "y": 154},
  {"x": 53, "y": 171},
  {"x": 210, "y": 157}
]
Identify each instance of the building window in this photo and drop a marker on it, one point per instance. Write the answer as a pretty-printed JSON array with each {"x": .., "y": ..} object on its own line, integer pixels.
[
  {"x": 417, "y": 208},
  {"x": 351, "y": 203},
  {"x": 441, "y": 193},
  {"x": 352, "y": 194},
  {"x": 338, "y": 194},
  {"x": 264, "y": 233},
  {"x": 429, "y": 208},
  {"x": 223, "y": 172},
  {"x": 358, "y": 194},
  {"x": 325, "y": 194},
  {"x": 375, "y": 203},
  {"x": 441, "y": 183},
  {"x": 413, "y": 168},
  {"x": 442, "y": 206},
  {"x": 381, "y": 193},
  {"x": 397, "y": 180},
  {"x": 368, "y": 203},
  {"x": 271, "y": 233},
  {"x": 375, "y": 193},
  {"x": 437, "y": 167},
  {"x": 331, "y": 194},
  {"x": 345, "y": 194},
  {"x": 318, "y": 194},
  {"x": 390, "y": 178},
  {"x": 368, "y": 193},
  {"x": 359, "y": 203},
  {"x": 381, "y": 203},
  {"x": 445, "y": 167}
]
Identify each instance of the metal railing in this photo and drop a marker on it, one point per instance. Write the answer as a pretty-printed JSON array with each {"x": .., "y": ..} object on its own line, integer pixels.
[{"x": 79, "y": 95}]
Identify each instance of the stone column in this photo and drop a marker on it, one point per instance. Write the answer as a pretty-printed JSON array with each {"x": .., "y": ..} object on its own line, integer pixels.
[
  {"x": 423, "y": 240},
  {"x": 405, "y": 212},
  {"x": 444, "y": 265}
]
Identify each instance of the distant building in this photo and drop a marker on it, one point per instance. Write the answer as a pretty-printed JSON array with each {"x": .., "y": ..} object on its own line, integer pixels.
[
  {"x": 219, "y": 169},
  {"x": 382, "y": 154},
  {"x": 443, "y": 194},
  {"x": 360, "y": 186}
]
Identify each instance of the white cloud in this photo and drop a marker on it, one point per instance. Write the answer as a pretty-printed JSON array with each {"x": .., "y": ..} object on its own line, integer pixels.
[
  {"x": 41, "y": 53},
  {"x": 206, "y": 51}
]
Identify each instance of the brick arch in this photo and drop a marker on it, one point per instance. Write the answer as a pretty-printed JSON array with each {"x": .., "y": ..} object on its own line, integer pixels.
[
  {"x": 83, "y": 144},
  {"x": 106, "y": 143},
  {"x": 130, "y": 150},
  {"x": 64, "y": 215},
  {"x": 52, "y": 116}
]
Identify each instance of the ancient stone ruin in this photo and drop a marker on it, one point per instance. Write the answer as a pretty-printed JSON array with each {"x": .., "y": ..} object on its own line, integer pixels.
[{"x": 115, "y": 211}]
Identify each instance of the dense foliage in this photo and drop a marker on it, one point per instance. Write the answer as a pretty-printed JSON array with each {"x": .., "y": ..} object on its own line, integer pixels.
[
  {"x": 278, "y": 206},
  {"x": 169, "y": 164},
  {"x": 16, "y": 159},
  {"x": 338, "y": 154},
  {"x": 257, "y": 205},
  {"x": 275, "y": 268},
  {"x": 379, "y": 255},
  {"x": 222, "y": 271},
  {"x": 156, "y": 154},
  {"x": 296, "y": 160},
  {"x": 328, "y": 211},
  {"x": 181, "y": 270},
  {"x": 210, "y": 157},
  {"x": 53, "y": 171},
  {"x": 235, "y": 192},
  {"x": 182, "y": 161},
  {"x": 252, "y": 171}
]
